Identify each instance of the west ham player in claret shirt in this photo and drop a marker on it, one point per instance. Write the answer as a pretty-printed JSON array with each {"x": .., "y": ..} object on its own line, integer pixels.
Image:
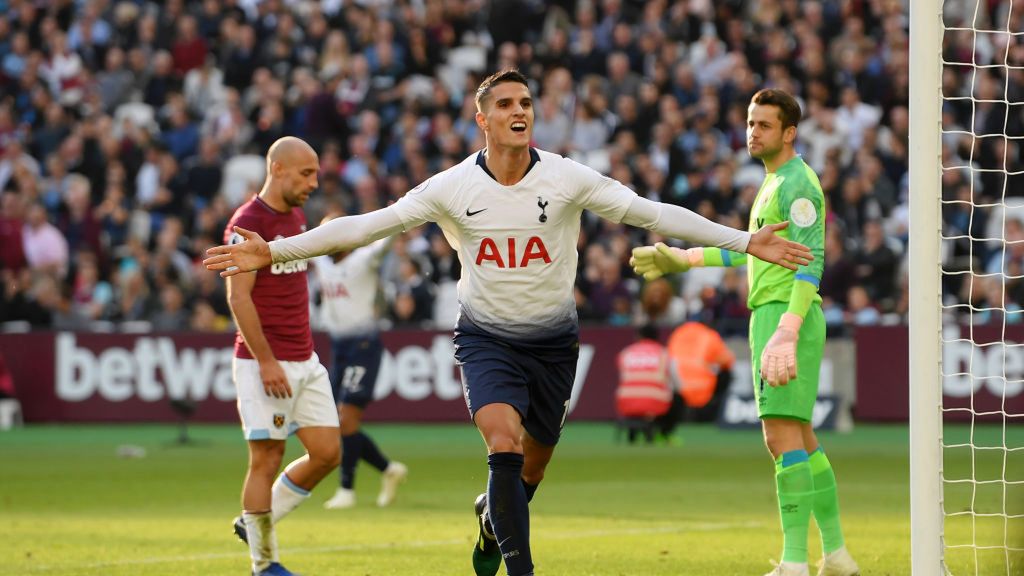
[
  {"x": 512, "y": 213},
  {"x": 282, "y": 387}
]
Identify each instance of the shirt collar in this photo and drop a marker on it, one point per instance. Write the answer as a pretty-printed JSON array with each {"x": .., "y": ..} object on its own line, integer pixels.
[{"x": 481, "y": 161}]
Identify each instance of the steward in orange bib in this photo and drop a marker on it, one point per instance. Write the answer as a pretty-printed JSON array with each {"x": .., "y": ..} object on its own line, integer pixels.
[
  {"x": 645, "y": 390},
  {"x": 702, "y": 364}
]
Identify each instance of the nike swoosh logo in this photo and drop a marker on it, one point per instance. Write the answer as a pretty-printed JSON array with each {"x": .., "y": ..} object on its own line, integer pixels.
[{"x": 469, "y": 213}]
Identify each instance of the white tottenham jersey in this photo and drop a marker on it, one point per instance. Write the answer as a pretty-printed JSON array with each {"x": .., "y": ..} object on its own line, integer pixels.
[
  {"x": 348, "y": 290},
  {"x": 517, "y": 244}
]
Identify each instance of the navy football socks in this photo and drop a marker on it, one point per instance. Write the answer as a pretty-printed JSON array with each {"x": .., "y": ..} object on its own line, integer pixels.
[
  {"x": 351, "y": 450},
  {"x": 373, "y": 456},
  {"x": 510, "y": 515},
  {"x": 531, "y": 489},
  {"x": 354, "y": 447}
]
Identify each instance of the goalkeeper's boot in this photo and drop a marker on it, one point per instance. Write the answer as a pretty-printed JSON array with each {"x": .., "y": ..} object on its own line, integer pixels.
[
  {"x": 838, "y": 563},
  {"x": 789, "y": 569},
  {"x": 239, "y": 525},
  {"x": 275, "y": 569},
  {"x": 486, "y": 555}
]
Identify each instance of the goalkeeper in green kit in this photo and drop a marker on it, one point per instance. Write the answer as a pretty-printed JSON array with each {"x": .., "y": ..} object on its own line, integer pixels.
[{"x": 787, "y": 332}]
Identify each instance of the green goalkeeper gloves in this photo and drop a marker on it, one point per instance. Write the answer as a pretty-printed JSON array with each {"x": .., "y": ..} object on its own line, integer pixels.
[{"x": 653, "y": 262}]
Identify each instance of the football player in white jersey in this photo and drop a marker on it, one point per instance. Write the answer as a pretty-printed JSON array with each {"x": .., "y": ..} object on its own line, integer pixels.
[
  {"x": 348, "y": 284},
  {"x": 512, "y": 213}
]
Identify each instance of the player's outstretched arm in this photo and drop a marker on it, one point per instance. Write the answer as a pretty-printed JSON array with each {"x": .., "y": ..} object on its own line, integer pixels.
[
  {"x": 678, "y": 222},
  {"x": 653, "y": 262},
  {"x": 339, "y": 234},
  {"x": 231, "y": 259}
]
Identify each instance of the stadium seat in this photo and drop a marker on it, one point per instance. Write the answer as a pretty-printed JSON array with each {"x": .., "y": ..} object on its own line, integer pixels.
[
  {"x": 240, "y": 173},
  {"x": 446, "y": 303},
  {"x": 461, "y": 60},
  {"x": 138, "y": 113},
  {"x": 599, "y": 159}
]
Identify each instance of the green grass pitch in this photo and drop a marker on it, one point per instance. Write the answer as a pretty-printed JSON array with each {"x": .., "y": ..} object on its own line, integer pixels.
[{"x": 70, "y": 506}]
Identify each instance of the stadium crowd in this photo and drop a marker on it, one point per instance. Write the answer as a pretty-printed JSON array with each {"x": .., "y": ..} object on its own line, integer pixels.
[{"x": 130, "y": 131}]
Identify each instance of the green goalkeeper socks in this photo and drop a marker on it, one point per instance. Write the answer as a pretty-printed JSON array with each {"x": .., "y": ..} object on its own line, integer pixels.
[
  {"x": 826, "y": 502},
  {"x": 796, "y": 496}
]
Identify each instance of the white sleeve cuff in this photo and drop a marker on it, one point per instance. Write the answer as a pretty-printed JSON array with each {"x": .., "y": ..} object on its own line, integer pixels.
[{"x": 677, "y": 222}]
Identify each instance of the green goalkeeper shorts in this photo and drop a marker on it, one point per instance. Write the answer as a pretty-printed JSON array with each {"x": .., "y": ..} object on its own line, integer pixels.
[{"x": 795, "y": 399}]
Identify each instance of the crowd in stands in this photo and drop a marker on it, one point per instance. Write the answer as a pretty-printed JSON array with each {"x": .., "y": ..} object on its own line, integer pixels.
[{"x": 131, "y": 130}]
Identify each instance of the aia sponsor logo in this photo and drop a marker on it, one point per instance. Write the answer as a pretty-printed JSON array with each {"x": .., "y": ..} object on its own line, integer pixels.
[
  {"x": 507, "y": 255},
  {"x": 334, "y": 291}
]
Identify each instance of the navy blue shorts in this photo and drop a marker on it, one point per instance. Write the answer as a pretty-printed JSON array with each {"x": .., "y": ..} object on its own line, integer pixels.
[
  {"x": 354, "y": 367},
  {"x": 535, "y": 378}
]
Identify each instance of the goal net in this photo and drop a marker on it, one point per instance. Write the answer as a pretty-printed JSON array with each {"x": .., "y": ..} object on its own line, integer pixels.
[{"x": 967, "y": 334}]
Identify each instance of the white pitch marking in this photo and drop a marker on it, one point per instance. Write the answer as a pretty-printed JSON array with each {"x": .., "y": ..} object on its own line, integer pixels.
[{"x": 695, "y": 527}]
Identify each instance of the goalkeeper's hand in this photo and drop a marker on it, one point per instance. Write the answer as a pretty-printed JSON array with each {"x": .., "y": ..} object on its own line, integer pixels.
[
  {"x": 778, "y": 361},
  {"x": 653, "y": 262}
]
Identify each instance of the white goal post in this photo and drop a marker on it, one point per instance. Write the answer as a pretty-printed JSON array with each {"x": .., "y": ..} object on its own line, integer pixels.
[
  {"x": 966, "y": 275},
  {"x": 925, "y": 285}
]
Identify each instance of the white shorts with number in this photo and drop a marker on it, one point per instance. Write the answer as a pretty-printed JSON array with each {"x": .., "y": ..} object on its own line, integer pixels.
[{"x": 267, "y": 418}]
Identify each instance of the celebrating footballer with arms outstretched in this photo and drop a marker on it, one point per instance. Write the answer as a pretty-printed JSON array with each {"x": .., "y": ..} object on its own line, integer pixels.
[{"x": 512, "y": 213}]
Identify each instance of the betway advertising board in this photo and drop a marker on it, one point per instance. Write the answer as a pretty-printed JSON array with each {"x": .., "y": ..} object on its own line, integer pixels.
[
  {"x": 88, "y": 377},
  {"x": 982, "y": 372}
]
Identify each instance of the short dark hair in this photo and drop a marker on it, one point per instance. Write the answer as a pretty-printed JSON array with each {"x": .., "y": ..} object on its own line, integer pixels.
[
  {"x": 789, "y": 108},
  {"x": 647, "y": 332},
  {"x": 500, "y": 77}
]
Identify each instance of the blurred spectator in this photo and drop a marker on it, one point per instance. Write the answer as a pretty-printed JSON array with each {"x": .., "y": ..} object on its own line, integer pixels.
[
  {"x": 162, "y": 81},
  {"x": 860, "y": 311},
  {"x": 25, "y": 300},
  {"x": 205, "y": 319},
  {"x": 182, "y": 135},
  {"x": 46, "y": 249},
  {"x": 132, "y": 298},
  {"x": 203, "y": 172},
  {"x": 14, "y": 159},
  {"x": 876, "y": 265},
  {"x": 413, "y": 300},
  {"x": 819, "y": 133},
  {"x": 172, "y": 315},
  {"x": 658, "y": 305},
  {"x": 189, "y": 49},
  {"x": 90, "y": 293},
  {"x": 608, "y": 291},
  {"x": 840, "y": 270},
  {"x": 854, "y": 117},
  {"x": 725, "y": 307},
  {"x": 12, "y": 247},
  {"x": 63, "y": 70}
]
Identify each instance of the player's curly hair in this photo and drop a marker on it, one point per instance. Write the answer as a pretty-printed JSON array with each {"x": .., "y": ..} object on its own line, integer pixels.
[
  {"x": 789, "y": 108},
  {"x": 500, "y": 77}
]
